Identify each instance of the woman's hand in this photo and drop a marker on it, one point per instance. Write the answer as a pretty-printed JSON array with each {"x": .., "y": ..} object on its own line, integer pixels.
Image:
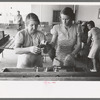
[
  {"x": 69, "y": 60},
  {"x": 35, "y": 49}
]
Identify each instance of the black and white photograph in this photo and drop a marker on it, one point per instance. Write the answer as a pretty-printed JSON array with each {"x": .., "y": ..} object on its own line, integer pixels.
[
  {"x": 49, "y": 42},
  {"x": 49, "y": 50}
]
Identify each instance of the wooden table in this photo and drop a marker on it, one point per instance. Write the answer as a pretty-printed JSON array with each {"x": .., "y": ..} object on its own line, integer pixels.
[{"x": 32, "y": 74}]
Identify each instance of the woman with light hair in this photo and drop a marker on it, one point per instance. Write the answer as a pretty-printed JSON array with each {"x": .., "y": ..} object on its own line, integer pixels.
[{"x": 27, "y": 43}]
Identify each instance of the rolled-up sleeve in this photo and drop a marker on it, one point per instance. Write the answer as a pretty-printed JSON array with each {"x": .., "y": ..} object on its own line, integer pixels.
[
  {"x": 54, "y": 30},
  {"x": 19, "y": 38}
]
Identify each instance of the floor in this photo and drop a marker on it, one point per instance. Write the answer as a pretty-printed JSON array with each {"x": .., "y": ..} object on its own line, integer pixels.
[{"x": 9, "y": 58}]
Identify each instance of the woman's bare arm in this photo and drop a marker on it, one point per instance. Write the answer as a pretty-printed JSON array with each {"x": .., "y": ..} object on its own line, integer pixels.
[
  {"x": 78, "y": 46},
  {"x": 26, "y": 50}
]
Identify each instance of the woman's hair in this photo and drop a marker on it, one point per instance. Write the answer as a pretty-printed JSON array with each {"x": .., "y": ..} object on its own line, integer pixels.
[
  {"x": 32, "y": 16},
  {"x": 68, "y": 11},
  {"x": 18, "y": 11},
  {"x": 91, "y": 23}
]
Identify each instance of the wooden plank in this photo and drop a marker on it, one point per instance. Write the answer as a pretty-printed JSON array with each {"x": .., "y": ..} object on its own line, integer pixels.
[
  {"x": 12, "y": 46},
  {"x": 10, "y": 43},
  {"x": 31, "y": 74},
  {"x": 4, "y": 40},
  {"x": 46, "y": 79},
  {"x": 49, "y": 74},
  {"x": 18, "y": 69},
  {"x": 3, "y": 46},
  {"x": 40, "y": 69}
]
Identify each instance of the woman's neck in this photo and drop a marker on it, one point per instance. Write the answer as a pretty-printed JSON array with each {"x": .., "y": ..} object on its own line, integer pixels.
[
  {"x": 68, "y": 26},
  {"x": 31, "y": 33}
]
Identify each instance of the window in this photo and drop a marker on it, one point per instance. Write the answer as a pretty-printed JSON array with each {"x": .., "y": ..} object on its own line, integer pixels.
[{"x": 56, "y": 14}]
